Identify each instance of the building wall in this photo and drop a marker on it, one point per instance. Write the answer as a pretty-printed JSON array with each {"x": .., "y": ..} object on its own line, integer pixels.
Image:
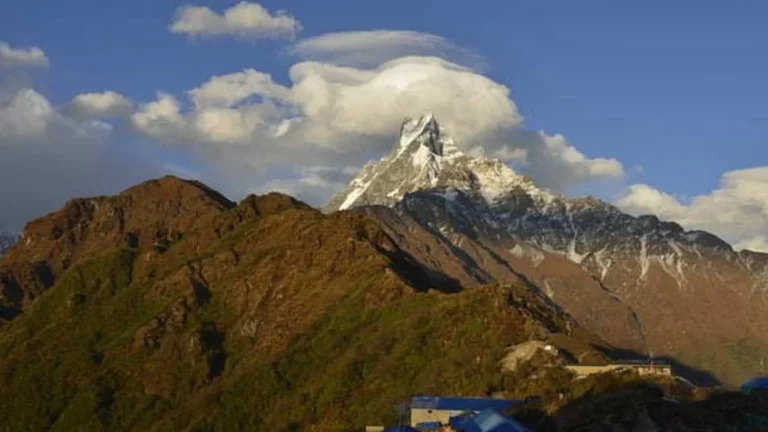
[
  {"x": 641, "y": 369},
  {"x": 424, "y": 415},
  {"x": 582, "y": 370},
  {"x": 655, "y": 370}
]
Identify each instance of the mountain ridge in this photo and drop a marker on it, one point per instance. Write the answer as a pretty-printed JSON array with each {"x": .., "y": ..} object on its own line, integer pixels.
[
  {"x": 493, "y": 225},
  {"x": 423, "y": 140},
  {"x": 167, "y": 308}
]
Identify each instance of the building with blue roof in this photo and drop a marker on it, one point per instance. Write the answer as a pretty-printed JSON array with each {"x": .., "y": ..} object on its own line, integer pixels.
[{"x": 431, "y": 410}]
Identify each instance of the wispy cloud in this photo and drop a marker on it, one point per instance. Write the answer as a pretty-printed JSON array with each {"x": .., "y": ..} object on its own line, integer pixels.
[{"x": 372, "y": 48}]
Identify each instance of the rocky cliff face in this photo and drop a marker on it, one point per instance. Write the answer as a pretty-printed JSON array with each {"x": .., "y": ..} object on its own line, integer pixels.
[
  {"x": 641, "y": 283},
  {"x": 154, "y": 214}
]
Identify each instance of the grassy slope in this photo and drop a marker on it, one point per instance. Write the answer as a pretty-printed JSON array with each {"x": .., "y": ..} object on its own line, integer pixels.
[{"x": 119, "y": 344}]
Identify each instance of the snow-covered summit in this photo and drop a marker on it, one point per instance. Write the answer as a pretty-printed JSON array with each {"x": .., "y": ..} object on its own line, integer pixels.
[
  {"x": 426, "y": 132},
  {"x": 425, "y": 157}
]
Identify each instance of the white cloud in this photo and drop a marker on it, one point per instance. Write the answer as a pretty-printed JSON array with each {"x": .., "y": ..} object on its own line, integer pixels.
[
  {"x": 511, "y": 154},
  {"x": 330, "y": 115},
  {"x": 32, "y": 57},
  {"x": 559, "y": 156},
  {"x": 244, "y": 20},
  {"x": 47, "y": 158},
  {"x": 211, "y": 121},
  {"x": 311, "y": 184},
  {"x": 228, "y": 90},
  {"x": 161, "y": 119},
  {"x": 757, "y": 244},
  {"x": 337, "y": 100},
  {"x": 372, "y": 48},
  {"x": 550, "y": 160},
  {"x": 642, "y": 199},
  {"x": 27, "y": 115},
  {"x": 301, "y": 136},
  {"x": 330, "y": 108},
  {"x": 737, "y": 210},
  {"x": 28, "y": 119},
  {"x": 86, "y": 106}
]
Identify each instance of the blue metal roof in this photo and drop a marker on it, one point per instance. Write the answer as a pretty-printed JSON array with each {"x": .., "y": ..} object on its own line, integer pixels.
[
  {"x": 400, "y": 428},
  {"x": 755, "y": 383},
  {"x": 489, "y": 421},
  {"x": 461, "y": 404}
]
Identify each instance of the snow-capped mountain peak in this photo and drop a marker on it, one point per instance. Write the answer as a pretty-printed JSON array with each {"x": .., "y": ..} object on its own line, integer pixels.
[
  {"x": 475, "y": 219},
  {"x": 426, "y": 132},
  {"x": 413, "y": 128},
  {"x": 425, "y": 157}
]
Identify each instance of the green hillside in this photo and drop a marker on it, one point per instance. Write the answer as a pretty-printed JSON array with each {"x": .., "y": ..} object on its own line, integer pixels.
[{"x": 257, "y": 331}]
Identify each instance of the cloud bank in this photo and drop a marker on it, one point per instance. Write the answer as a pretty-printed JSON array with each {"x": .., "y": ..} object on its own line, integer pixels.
[
  {"x": 737, "y": 210},
  {"x": 340, "y": 116},
  {"x": 244, "y": 20}
]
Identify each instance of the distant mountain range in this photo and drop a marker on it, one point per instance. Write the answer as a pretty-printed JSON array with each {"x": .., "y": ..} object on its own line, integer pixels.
[
  {"x": 170, "y": 307},
  {"x": 640, "y": 283},
  {"x": 7, "y": 240}
]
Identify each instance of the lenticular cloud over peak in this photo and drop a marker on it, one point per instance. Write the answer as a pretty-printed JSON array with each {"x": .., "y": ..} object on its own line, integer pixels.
[{"x": 374, "y": 47}]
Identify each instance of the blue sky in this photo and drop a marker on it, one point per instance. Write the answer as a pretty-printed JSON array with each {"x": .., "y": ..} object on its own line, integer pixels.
[{"x": 674, "y": 91}]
